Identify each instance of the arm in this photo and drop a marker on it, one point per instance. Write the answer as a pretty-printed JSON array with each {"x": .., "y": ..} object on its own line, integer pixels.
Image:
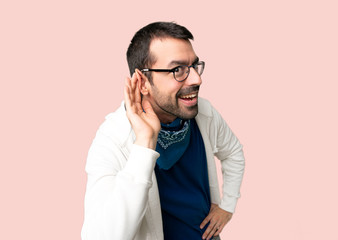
[
  {"x": 232, "y": 160},
  {"x": 117, "y": 190},
  {"x": 116, "y": 199}
]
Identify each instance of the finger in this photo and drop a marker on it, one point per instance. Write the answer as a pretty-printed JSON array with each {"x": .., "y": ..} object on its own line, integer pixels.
[
  {"x": 127, "y": 94},
  {"x": 137, "y": 87},
  {"x": 132, "y": 88},
  {"x": 208, "y": 230},
  {"x": 129, "y": 97},
  {"x": 147, "y": 107},
  {"x": 219, "y": 229},
  {"x": 133, "y": 81},
  {"x": 139, "y": 72},
  {"x": 205, "y": 221},
  {"x": 139, "y": 79},
  {"x": 212, "y": 232},
  {"x": 135, "y": 94}
]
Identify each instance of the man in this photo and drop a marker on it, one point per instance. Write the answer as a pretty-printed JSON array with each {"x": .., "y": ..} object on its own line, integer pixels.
[{"x": 151, "y": 168}]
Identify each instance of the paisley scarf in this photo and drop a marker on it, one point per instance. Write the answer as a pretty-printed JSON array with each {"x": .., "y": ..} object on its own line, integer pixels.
[{"x": 173, "y": 140}]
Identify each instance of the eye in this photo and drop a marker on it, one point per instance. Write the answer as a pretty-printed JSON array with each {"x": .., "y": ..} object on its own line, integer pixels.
[
  {"x": 181, "y": 71},
  {"x": 177, "y": 69}
]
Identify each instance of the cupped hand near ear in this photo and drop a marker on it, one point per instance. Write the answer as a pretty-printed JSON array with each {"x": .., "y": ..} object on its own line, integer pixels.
[{"x": 142, "y": 118}]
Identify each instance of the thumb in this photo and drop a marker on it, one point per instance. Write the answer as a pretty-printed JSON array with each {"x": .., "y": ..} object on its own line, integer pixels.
[{"x": 147, "y": 106}]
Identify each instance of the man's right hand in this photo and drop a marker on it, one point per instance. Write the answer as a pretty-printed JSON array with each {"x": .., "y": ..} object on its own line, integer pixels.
[{"x": 145, "y": 123}]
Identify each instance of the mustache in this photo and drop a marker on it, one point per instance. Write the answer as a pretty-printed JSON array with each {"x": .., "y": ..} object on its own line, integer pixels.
[{"x": 187, "y": 90}]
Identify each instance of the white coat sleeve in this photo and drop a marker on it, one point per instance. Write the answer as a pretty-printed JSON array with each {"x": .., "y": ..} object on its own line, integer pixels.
[
  {"x": 230, "y": 153},
  {"x": 117, "y": 190}
]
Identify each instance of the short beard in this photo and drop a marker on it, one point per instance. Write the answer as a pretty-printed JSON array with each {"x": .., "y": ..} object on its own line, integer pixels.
[{"x": 174, "y": 109}]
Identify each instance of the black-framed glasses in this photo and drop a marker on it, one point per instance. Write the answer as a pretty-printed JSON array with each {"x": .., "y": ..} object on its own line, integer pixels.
[{"x": 180, "y": 72}]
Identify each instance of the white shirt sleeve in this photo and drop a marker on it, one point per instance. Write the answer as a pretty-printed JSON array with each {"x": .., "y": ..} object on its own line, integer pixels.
[
  {"x": 117, "y": 189},
  {"x": 230, "y": 153}
]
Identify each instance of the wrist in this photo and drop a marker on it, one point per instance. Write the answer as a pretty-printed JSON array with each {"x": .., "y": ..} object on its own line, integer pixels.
[{"x": 146, "y": 142}]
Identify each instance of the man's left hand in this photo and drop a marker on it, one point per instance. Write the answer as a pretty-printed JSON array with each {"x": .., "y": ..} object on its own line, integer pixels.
[{"x": 218, "y": 218}]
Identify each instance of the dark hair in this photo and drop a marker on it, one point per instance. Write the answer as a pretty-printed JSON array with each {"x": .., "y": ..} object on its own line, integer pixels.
[{"x": 138, "y": 55}]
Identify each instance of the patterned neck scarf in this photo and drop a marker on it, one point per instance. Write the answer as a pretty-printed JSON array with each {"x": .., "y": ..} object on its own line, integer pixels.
[{"x": 173, "y": 140}]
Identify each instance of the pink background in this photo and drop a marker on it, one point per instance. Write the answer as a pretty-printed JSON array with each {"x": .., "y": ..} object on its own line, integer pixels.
[{"x": 271, "y": 70}]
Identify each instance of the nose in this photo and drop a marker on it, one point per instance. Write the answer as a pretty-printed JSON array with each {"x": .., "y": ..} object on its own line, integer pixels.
[{"x": 194, "y": 79}]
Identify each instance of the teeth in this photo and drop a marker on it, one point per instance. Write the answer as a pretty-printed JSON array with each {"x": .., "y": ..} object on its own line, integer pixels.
[{"x": 189, "y": 96}]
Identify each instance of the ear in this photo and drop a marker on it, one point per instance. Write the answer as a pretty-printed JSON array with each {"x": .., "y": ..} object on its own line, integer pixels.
[{"x": 143, "y": 82}]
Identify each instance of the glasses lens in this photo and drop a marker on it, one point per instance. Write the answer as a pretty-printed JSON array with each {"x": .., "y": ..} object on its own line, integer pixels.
[
  {"x": 181, "y": 73},
  {"x": 199, "y": 67}
]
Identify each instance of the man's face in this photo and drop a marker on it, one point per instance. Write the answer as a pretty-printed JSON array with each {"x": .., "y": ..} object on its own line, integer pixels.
[{"x": 171, "y": 99}]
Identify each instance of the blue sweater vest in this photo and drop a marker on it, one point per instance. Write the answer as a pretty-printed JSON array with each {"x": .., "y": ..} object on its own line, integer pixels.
[{"x": 184, "y": 191}]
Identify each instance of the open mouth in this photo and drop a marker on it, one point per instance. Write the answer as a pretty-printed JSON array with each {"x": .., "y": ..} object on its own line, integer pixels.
[
  {"x": 189, "y": 100},
  {"x": 189, "y": 97}
]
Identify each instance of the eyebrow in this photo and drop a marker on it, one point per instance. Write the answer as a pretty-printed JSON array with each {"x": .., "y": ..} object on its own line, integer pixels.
[{"x": 176, "y": 63}]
